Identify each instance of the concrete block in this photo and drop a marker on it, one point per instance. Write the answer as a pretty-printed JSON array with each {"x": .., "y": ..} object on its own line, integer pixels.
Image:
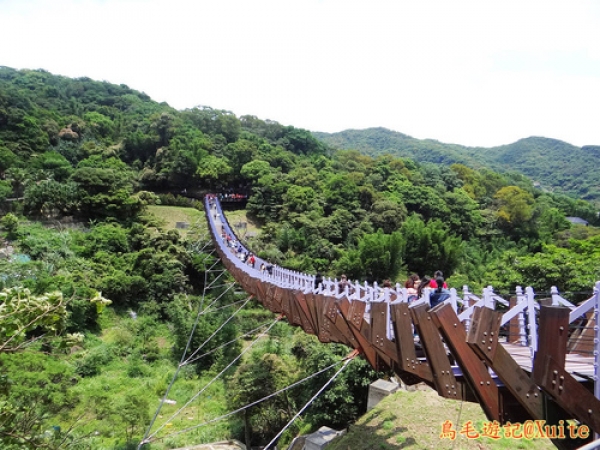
[
  {"x": 378, "y": 390},
  {"x": 319, "y": 439}
]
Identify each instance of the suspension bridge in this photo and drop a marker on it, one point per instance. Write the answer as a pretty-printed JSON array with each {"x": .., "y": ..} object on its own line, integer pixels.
[{"x": 530, "y": 361}]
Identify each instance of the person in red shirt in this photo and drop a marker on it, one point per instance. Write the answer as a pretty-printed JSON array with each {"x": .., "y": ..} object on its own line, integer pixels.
[{"x": 433, "y": 282}]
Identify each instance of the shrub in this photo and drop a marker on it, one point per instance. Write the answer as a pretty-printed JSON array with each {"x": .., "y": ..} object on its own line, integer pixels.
[
  {"x": 91, "y": 363},
  {"x": 136, "y": 368}
]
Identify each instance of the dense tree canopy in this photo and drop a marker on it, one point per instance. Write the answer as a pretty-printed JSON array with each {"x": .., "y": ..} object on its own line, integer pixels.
[
  {"x": 96, "y": 155},
  {"x": 554, "y": 165}
]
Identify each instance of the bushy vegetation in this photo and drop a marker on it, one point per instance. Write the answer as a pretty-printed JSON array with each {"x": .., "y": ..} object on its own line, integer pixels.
[
  {"x": 385, "y": 217},
  {"x": 554, "y": 165},
  {"x": 110, "y": 296}
]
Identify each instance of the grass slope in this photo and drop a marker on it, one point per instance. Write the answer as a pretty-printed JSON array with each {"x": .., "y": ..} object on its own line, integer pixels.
[
  {"x": 168, "y": 216},
  {"x": 241, "y": 216},
  {"x": 123, "y": 375},
  {"x": 413, "y": 420}
]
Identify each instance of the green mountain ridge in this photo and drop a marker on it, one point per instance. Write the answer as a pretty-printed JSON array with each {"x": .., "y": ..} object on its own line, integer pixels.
[{"x": 554, "y": 164}]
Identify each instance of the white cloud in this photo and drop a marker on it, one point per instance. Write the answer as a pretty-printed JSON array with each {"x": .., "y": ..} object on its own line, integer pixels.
[{"x": 467, "y": 72}]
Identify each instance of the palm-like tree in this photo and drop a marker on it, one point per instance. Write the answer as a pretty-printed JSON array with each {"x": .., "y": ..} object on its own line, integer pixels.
[{"x": 19, "y": 178}]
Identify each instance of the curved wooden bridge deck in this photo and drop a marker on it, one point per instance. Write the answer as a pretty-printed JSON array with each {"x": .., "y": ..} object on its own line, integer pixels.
[{"x": 522, "y": 361}]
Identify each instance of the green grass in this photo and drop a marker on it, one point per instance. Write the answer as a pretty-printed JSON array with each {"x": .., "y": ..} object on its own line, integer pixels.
[
  {"x": 241, "y": 215},
  {"x": 168, "y": 216},
  {"x": 101, "y": 395},
  {"x": 414, "y": 420}
]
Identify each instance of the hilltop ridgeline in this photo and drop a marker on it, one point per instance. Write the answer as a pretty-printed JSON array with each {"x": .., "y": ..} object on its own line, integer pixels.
[{"x": 552, "y": 164}]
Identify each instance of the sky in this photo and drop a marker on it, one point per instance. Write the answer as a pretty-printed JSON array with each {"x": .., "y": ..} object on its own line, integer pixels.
[{"x": 469, "y": 72}]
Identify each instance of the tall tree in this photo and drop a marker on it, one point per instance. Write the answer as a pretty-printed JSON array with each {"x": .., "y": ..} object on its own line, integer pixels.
[
  {"x": 429, "y": 247},
  {"x": 515, "y": 206}
]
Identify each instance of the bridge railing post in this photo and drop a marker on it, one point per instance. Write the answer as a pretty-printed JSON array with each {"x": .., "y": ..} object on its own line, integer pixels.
[
  {"x": 389, "y": 325},
  {"x": 521, "y": 318},
  {"x": 308, "y": 281},
  {"x": 399, "y": 292},
  {"x": 403, "y": 295},
  {"x": 426, "y": 296},
  {"x": 453, "y": 299},
  {"x": 358, "y": 291},
  {"x": 465, "y": 301},
  {"x": 289, "y": 280},
  {"x": 488, "y": 297},
  {"x": 531, "y": 322},
  {"x": 331, "y": 285},
  {"x": 557, "y": 300}
]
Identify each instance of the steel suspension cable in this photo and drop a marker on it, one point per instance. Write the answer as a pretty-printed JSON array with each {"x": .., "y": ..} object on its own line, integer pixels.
[
  {"x": 207, "y": 310},
  {"x": 206, "y": 244},
  {"x": 229, "y": 286},
  {"x": 146, "y": 439},
  {"x": 217, "y": 278},
  {"x": 189, "y": 341},
  {"x": 310, "y": 401},
  {"x": 179, "y": 366},
  {"x": 213, "y": 265},
  {"x": 189, "y": 361},
  {"x": 249, "y": 405},
  {"x": 217, "y": 330}
]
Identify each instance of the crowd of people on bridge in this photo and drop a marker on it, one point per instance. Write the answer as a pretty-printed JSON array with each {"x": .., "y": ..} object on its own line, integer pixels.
[
  {"x": 437, "y": 286},
  {"x": 232, "y": 197},
  {"x": 244, "y": 255},
  {"x": 415, "y": 285}
]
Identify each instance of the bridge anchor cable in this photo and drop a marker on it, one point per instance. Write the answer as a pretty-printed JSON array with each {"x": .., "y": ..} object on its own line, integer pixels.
[
  {"x": 150, "y": 436},
  {"x": 346, "y": 362},
  {"x": 249, "y": 405}
]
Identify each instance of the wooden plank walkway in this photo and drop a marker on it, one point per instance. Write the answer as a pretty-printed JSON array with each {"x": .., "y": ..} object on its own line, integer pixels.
[{"x": 576, "y": 364}]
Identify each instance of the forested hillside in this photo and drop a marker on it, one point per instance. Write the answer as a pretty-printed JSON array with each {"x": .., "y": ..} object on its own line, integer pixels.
[
  {"x": 555, "y": 165},
  {"x": 99, "y": 297}
]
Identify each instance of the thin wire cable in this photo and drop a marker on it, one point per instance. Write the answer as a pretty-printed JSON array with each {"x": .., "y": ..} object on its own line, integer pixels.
[
  {"x": 231, "y": 285},
  {"x": 187, "y": 346},
  {"x": 309, "y": 402},
  {"x": 213, "y": 265},
  {"x": 206, "y": 310},
  {"x": 225, "y": 283},
  {"x": 277, "y": 319},
  {"x": 249, "y": 405},
  {"x": 189, "y": 361},
  {"x": 216, "y": 279},
  {"x": 458, "y": 418},
  {"x": 219, "y": 296},
  {"x": 217, "y": 330},
  {"x": 201, "y": 250}
]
